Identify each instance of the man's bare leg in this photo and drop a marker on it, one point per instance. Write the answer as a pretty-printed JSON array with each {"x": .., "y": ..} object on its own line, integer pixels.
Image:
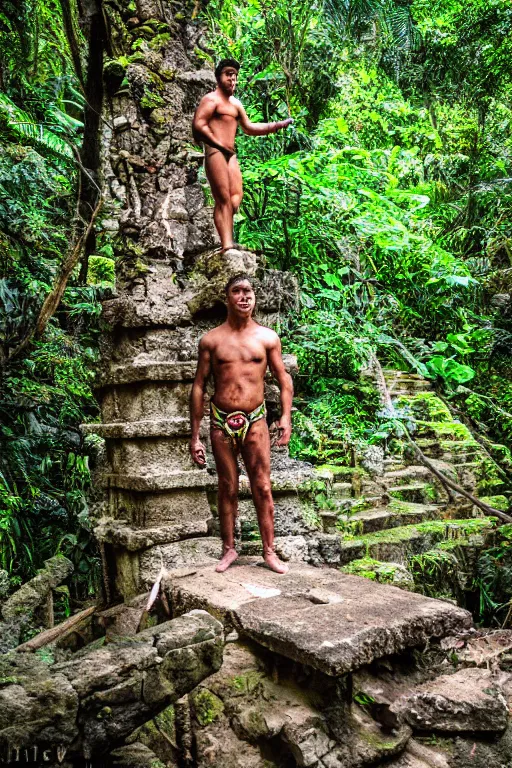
[
  {"x": 256, "y": 456},
  {"x": 217, "y": 173},
  {"x": 227, "y": 471},
  {"x": 235, "y": 183}
]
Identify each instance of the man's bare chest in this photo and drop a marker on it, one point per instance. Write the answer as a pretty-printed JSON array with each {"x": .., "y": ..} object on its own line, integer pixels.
[
  {"x": 233, "y": 355},
  {"x": 225, "y": 112}
]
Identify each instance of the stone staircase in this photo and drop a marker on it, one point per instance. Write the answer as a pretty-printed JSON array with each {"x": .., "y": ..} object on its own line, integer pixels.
[{"x": 406, "y": 510}]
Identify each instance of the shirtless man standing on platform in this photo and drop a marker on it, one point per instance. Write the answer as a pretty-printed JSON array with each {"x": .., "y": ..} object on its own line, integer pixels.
[
  {"x": 215, "y": 123},
  {"x": 238, "y": 353}
]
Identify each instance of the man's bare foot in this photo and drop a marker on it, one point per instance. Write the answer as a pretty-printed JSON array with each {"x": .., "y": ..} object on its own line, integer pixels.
[
  {"x": 228, "y": 558},
  {"x": 273, "y": 562}
]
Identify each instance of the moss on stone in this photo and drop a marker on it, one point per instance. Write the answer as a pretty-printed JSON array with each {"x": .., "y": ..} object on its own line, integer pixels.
[
  {"x": 159, "y": 41},
  {"x": 365, "y": 567},
  {"x": 426, "y": 405},
  {"x": 207, "y": 706},
  {"x": 447, "y": 429},
  {"x": 248, "y": 682},
  {"x": 151, "y": 100},
  {"x": 499, "y": 502}
]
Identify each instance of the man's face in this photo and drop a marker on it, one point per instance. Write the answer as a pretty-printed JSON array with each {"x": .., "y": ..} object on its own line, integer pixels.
[
  {"x": 241, "y": 298},
  {"x": 227, "y": 80}
]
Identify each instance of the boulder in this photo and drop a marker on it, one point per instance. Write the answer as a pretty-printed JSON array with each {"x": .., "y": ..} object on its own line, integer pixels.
[
  {"x": 93, "y": 701},
  {"x": 469, "y": 700}
]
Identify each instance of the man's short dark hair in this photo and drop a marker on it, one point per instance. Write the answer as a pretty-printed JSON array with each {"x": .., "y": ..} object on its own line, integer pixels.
[
  {"x": 238, "y": 279},
  {"x": 226, "y": 63}
]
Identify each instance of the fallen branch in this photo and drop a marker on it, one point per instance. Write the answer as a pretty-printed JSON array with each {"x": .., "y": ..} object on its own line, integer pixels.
[
  {"x": 447, "y": 483},
  {"x": 50, "y": 635}
]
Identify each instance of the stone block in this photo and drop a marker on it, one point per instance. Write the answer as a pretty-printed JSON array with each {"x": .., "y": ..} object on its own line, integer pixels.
[
  {"x": 150, "y": 456},
  {"x": 153, "y": 509},
  {"x": 191, "y": 552},
  {"x": 175, "y": 426},
  {"x": 364, "y": 621},
  {"x": 469, "y": 700},
  {"x": 142, "y": 401}
]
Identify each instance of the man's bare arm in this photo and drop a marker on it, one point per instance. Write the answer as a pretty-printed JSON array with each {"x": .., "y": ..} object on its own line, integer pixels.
[
  {"x": 284, "y": 380},
  {"x": 201, "y": 125},
  {"x": 259, "y": 129},
  {"x": 197, "y": 449}
]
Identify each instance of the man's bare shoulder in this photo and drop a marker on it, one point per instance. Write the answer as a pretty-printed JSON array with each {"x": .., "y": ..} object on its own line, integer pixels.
[
  {"x": 267, "y": 335},
  {"x": 210, "y": 339},
  {"x": 210, "y": 99}
]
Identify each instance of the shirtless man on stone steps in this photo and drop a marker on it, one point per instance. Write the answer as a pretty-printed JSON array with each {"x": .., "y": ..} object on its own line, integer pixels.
[
  {"x": 215, "y": 123},
  {"x": 238, "y": 353}
]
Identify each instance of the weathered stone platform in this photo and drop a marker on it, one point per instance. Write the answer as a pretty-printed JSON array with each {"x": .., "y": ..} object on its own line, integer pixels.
[{"x": 328, "y": 620}]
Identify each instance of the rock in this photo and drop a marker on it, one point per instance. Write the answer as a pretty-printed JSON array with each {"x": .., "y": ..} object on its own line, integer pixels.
[
  {"x": 469, "y": 700},
  {"x": 5, "y": 585},
  {"x": 373, "y": 460},
  {"x": 34, "y": 592},
  {"x": 484, "y": 649},
  {"x": 135, "y": 756},
  {"x": 371, "y": 621},
  {"x": 99, "y": 696},
  {"x": 292, "y": 548},
  {"x": 120, "y": 123}
]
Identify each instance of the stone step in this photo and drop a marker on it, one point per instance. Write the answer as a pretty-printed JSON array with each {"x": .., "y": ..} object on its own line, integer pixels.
[
  {"x": 402, "y": 387},
  {"x": 406, "y": 475},
  {"x": 121, "y": 534},
  {"x": 414, "y": 492},
  {"x": 449, "y": 450},
  {"x": 384, "y": 518},
  {"x": 188, "y": 553},
  {"x": 282, "y": 482},
  {"x": 342, "y": 490},
  {"x": 398, "y": 544},
  {"x": 322, "y": 618}
]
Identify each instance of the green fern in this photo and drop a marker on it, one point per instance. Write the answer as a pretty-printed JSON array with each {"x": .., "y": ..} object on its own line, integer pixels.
[{"x": 25, "y": 127}]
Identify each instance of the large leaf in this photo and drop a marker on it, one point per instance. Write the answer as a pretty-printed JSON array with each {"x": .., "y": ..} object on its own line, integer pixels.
[{"x": 25, "y": 127}]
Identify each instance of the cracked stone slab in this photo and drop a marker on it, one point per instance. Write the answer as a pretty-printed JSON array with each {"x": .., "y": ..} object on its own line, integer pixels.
[{"x": 355, "y": 622}]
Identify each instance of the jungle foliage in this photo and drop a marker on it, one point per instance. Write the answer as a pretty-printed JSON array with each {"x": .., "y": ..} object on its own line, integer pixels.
[
  {"x": 45, "y": 390},
  {"x": 390, "y": 197}
]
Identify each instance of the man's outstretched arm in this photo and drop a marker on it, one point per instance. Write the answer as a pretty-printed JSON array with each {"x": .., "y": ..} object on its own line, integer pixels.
[
  {"x": 260, "y": 129},
  {"x": 285, "y": 383},
  {"x": 197, "y": 449},
  {"x": 201, "y": 125}
]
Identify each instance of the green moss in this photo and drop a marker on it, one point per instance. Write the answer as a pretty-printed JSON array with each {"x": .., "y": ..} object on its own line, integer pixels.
[
  {"x": 248, "y": 682},
  {"x": 426, "y": 405},
  {"x": 8, "y": 681},
  {"x": 365, "y": 567},
  {"x": 207, "y": 706},
  {"x": 339, "y": 472},
  {"x": 167, "y": 74},
  {"x": 159, "y": 41},
  {"x": 447, "y": 429},
  {"x": 499, "y": 502},
  {"x": 151, "y": 100}
]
